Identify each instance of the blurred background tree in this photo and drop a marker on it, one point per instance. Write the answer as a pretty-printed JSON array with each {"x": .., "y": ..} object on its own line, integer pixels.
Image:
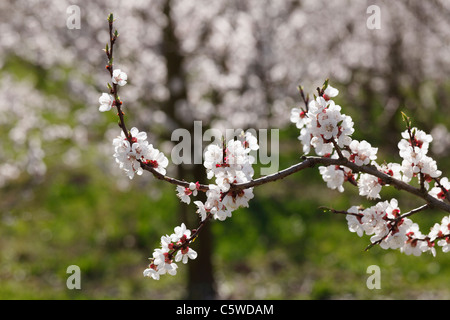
[{"x": 230, "y": 64}]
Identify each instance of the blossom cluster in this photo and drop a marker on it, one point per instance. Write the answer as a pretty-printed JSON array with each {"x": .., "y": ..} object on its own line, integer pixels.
[
  {"x": 413, "y": 150},
  {"x": 387, "y": 227},
  {"x": 229, "y": 163},
  {"x": 133, "y": 149},
  {"x": 324, "y": 128},
  {"x": 173, "y": 247},
  {"x": 129, "y": 156},
  {"x": 322, "y": 124},
  {"x": 382, "y": 222},
  {"x": 328, "y": 131}
]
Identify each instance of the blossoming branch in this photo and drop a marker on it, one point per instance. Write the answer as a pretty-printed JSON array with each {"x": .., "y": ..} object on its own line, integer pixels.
[{"x": 325, "y": 130}]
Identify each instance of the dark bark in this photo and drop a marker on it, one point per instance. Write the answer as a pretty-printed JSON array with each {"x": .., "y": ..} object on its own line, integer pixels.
[
  {"x": 201, "y": 283},
  {"x": 200, "y": 275}
]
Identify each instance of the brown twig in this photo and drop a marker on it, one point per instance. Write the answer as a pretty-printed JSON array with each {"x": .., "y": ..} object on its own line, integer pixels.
[
  {"x": 115, "y": 88},
  {"x": 160, "y": 176},
  {"x": 414, "y": 211}
]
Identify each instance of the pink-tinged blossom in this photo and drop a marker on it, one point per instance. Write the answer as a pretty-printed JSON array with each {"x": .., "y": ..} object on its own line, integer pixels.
[
  {"x": 185, "y": 254},
  {"x": 180, "y": 233},
  {"x": 354, "y": 221},
  {"x": 369, "y": 186},
  {"x": 333, "y": 176},
  {"x": 106, "y": 102},
  {"x": 440, "y": 192},
  {"x": 330, "y": 92},
  {"x": 415, "y": 243},
  {"x": 299, "y": 117},
  {"x": 440, "y": 234},
  {"x": 185, "y": 193},
  {"x": 362, "y": 152},
  {"x": 119, "y": 77}
]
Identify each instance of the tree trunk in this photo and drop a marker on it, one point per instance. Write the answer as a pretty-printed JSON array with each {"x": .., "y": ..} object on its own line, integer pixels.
[
  {"x": 201, "y": 284},
  {"x": 201, "y": 277}
]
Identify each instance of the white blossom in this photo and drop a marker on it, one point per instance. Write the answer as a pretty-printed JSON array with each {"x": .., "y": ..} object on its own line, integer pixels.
[
  {"x": 441, "y": 233},
  {"x": 184, "y": 194},
  {"x": 369, "y": 186},
  {"x": 156, "y": 159},
  {"x": 354, "y": 221},
  {"x": 229, "y": 164},
  {"x": 421, "y": 140},
  {"x": 201, "y": 210},
  {"x": 330, "y": 92},
  {"x": 438, "y": 192},
  {"x": 362, "y": 152},
  {"x": 151, "y": 273},
  {"x": 415, "y": 158},
  {"x": 106, "y": 101},
  {"x": 415, "y": 243},
  {"x": 185, "y": 254},
  {"x": 180, "y": 232},
  {"x": 333, "y": 176},
  {"x": 299, "y": 117},
  {"x": 119, "y": 77}
]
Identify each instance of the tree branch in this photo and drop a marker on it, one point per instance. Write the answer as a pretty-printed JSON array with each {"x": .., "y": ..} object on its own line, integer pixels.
[
  {"x": 310, "y": 162},
  {"x": 372, "y": 170},
  {"x": 410, "y": 213}
]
